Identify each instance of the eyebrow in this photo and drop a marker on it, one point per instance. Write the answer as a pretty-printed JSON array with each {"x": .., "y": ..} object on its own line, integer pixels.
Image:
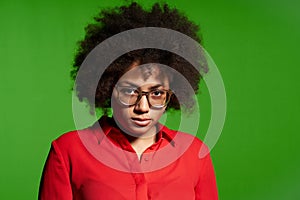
[{"x": 136, "y": 86}]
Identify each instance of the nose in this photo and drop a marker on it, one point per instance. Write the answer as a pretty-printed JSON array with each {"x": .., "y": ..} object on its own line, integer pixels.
[{"x": 142, "y": 106}]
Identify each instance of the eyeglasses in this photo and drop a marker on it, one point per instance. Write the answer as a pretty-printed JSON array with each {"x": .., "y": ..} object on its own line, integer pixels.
[{"x": 130, "y": 96}]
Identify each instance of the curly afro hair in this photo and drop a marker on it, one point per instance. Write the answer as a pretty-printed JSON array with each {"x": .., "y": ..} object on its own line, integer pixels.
[{"x": 110, "y": 22}]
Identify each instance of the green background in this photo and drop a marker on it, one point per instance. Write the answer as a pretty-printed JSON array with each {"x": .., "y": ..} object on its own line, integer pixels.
[{"x": 255, "y": 45}]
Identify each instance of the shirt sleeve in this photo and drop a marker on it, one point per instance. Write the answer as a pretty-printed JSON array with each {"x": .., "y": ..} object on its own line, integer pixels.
[
  {"x": 55, "y": 183},
  {"x": 206, "y": 188}
]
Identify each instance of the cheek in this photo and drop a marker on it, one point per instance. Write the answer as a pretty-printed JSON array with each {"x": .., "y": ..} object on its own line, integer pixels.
[
  {"x": 116, "y": 108},
  {"x": 120, "y": 113},
  {"x": 157, "y": 114},
  {"x": 115, "y": 105}
]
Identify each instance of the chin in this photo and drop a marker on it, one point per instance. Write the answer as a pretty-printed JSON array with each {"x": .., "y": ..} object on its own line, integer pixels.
[{"x": 139, "y": 131}]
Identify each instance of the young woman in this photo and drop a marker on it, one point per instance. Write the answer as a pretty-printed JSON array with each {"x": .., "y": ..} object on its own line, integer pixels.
[{"x": 131, "y": 155}]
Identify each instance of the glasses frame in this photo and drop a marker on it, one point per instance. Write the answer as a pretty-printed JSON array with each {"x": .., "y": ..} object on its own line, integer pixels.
[{"x": 141, "y": 94}]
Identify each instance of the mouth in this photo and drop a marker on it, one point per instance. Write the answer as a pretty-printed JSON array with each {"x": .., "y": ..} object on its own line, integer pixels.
[{"x": 141, "y": 121}]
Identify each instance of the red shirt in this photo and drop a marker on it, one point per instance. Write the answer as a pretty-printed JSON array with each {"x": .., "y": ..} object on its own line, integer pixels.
[{"x": 95, "y": 163}]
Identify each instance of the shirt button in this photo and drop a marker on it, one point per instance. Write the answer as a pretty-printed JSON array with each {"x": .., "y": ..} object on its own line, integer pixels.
[{"x": 146, "y": 159}]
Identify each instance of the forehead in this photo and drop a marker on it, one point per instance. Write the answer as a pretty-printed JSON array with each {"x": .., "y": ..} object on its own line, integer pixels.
[{"x": 144, "y": 74}]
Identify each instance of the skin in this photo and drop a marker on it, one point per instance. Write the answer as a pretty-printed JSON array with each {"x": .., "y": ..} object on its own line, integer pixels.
[{"x": 139, "y": 121}]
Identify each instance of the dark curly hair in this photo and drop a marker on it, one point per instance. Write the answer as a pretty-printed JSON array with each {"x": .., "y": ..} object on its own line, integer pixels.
[{"x": 116, "y": 20}]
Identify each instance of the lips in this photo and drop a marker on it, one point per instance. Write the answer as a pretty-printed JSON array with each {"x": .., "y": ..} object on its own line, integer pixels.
[{"x": 141, "y": 121}]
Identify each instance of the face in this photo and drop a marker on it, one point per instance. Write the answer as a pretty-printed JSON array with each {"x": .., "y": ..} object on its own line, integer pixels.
[{"x": 139, "y": 120}]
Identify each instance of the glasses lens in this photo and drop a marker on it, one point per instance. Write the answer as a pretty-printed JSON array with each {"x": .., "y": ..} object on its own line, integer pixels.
[
  {"x": 128, "y": 96},
  {"x": 158, "y": 98}
]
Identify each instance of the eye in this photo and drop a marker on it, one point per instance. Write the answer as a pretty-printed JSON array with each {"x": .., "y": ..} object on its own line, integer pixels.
[
  {"x": 128, "y": 91},
  {"x": 158, "y": 93}
]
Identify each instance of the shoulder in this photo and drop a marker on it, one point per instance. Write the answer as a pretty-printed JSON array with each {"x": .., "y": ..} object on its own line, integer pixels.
[
  {"x": 67, "y": 138},
  {"x": 69, "y": 146},
  {"x": 70, "y": 139}
]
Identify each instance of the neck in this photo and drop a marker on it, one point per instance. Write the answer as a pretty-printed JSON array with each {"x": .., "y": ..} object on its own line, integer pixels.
[{"x": 140, "y": 144}]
